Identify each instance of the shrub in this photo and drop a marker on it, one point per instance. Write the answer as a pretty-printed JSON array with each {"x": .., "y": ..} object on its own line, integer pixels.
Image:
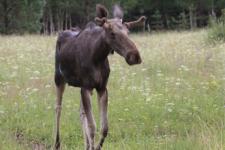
[{"x": 217, "y": 28}]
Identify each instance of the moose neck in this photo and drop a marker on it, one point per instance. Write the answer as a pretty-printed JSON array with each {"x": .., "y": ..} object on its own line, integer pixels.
[{"x": 101, "y": 49}]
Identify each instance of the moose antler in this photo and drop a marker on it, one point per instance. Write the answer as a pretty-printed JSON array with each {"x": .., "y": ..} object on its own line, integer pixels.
[
  {"x": 139, "y": 22},
  {"x": 100, "y": 21}
]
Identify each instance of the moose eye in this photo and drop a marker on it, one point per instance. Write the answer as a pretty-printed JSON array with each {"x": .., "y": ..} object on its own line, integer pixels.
[{"x": 112, "y": 35}]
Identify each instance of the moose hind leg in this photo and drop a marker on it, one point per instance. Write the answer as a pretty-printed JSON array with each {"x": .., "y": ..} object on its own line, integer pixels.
[
  {"x": 60, "y": 87},
  {"x": 103, "y": 104},
  {"x": 84, "y": 124},
  {"x": 91, "y": 125}
]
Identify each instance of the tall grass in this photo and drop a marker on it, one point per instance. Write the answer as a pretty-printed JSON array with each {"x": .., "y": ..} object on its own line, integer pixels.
[{"x": 174, "y": 100}]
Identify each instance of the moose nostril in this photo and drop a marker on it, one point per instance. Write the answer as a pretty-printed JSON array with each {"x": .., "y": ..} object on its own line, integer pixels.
[{"x": 139, "y": 59}]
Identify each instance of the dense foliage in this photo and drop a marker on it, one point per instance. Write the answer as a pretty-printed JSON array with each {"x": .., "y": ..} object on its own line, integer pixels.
[{"x": 48, "y": 16}]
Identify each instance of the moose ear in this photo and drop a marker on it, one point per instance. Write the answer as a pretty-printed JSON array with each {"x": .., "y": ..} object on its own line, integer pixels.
[
  {"x": 117, "y": 12},
  {"x": 101, "y": 11},
  {"x": 139, "y": 22}
]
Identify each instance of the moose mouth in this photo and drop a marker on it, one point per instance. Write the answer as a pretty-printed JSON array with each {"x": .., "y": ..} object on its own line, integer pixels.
[{"x": 133, "y": 58}]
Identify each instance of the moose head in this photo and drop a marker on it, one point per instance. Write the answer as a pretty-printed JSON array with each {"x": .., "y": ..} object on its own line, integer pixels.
[{"x": 116, "y": 33}]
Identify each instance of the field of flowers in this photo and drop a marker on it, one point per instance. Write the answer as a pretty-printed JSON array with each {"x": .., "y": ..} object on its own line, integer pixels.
[{"x": 174, "y": 100}]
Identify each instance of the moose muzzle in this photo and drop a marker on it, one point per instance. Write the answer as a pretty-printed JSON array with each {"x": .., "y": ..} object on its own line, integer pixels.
[{"x": 133, "y": 57}]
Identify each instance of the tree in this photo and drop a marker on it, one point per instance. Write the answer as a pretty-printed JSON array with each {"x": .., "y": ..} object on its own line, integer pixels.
[
  {"x": 7, "y": 8},
  {"x": 20, "y": 15}
]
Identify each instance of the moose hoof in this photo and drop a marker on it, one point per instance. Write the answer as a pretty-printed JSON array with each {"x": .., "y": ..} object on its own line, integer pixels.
[
  {"x": 98, "y": 147},
  {"x": 87, "y": 147},
  {"x": 57, "y": 146}
]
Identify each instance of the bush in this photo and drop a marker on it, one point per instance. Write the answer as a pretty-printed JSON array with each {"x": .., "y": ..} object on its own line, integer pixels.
[{"x": 217, "y": 28}]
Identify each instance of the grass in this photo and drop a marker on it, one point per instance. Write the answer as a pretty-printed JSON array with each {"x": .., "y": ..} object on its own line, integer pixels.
[{"x": 174, "y": 100}]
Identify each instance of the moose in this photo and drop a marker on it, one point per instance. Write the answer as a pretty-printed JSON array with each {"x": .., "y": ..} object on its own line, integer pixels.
[{"x": 81, "y": 60}]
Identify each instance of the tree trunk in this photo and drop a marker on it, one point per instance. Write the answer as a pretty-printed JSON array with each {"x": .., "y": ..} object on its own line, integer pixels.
[
  {"x": 6, "y": 17},
  {"x": 51, "y": 22},
  {"x": 70, "y": 22},
  {"x": 213, "y": 14},
  {"x": 66, "y": 20},
  {"x": 86, "y": 9},
  {"x": 58, "y": 22},
  {"x": 61, "y": 22},
  {"x": 192, "y": 17},
  {"x": 165, "y": 21}
]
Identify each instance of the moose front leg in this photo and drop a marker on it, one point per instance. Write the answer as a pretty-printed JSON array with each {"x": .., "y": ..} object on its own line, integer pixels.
[
  {"x": 103, "y": 104},
  {"x": 59, "y": 92},
  {"x": 88, "y": 121}
]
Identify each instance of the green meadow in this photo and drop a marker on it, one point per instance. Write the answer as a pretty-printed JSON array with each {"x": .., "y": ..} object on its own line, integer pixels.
[{"x": 174, "y": 100}]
